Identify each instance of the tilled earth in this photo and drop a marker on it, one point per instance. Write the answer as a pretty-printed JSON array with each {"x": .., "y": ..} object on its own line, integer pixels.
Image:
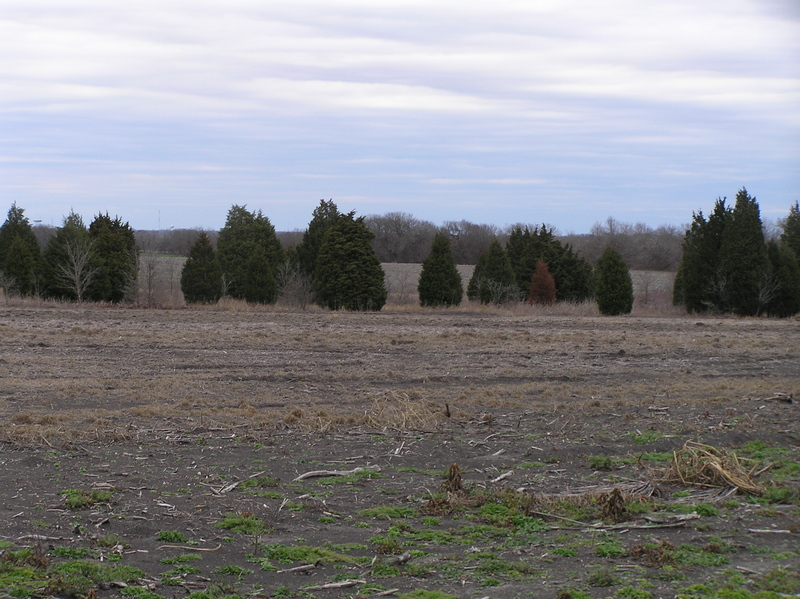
[{"x": 192, "y": 432}]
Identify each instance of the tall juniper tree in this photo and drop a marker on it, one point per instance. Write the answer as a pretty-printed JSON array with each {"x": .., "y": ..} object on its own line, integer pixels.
[
  {"x": 20, "y": 256},
  {"x": 244, "y": 231},
  {"x": 699, "y": 285},
  {"x": 114, "y": 244},
  {"x": 348, "y": 274},
  {"x": 614, "y": 288},
  {"x": 791, "y": 230},
  {"x": 493, "y": 280},
  {"x": 440, "y": 282},
  {"x": 201, "y": 277},
  {"x": 743, "y": 263}
]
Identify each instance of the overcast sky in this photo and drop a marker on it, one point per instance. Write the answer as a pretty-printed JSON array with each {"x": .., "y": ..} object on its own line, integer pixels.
[{"x": 565, "y": 112}]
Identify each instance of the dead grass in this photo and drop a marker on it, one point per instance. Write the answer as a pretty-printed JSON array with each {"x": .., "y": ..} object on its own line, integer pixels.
[{"x": 700, "y": 465}]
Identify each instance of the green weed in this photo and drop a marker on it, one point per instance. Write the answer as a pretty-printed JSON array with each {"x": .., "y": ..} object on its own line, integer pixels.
[
  {"x": 79, "y": 499},
  {"x": 388, "y": 512},
  {"x": 181, "y": 559},
  {"x": 609, "y": 548},
  {"x": 171, "y": 536},
  {"x": 244, "y": 524}
]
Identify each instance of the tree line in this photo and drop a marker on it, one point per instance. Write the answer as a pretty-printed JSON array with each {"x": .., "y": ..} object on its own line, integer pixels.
[
  {"x": 726, "y": 263},
  {"x": 401, "y": 238},
  {"x": 95, "y": 263}
]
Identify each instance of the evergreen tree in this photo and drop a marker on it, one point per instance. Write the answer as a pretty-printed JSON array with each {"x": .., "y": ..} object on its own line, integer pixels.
[
  {"x": 201, "y": 277},
  {"x": 543, "y": 287},
  {"x": 571, "y": 273},
  {"x": 493, "y": 279},
  {"x": 348, "y": 274},
  {"x": 323, "y": 218},
  {"x": 698, "y": 281},
  {"x": 677, "y": 288},
  {"x": 259, "y": 283},
  {"x": 573, "y": 276},
  {"x": 743, "y": 256},
  {"x": 243, "y": 232},
  {"x": 70, "y": 261},
  {"x": 791, "y": 230},
  {"x": 114, "y": 244},
  {"x": 19, "y": 268},
  {"x": 782, "y": 291},
  {"x": 20, "y": 261},
  {"x": 477, "y": 277},
  {"x": 614, "y": 291},
  {"x": 439, "y": 282}
]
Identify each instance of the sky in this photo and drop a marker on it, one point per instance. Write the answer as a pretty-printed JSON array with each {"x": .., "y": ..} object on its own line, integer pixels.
[{"x": 565, "y": 112}]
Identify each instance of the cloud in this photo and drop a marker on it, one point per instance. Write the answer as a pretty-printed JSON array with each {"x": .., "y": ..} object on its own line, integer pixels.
[{"x": 564, "y": 95}]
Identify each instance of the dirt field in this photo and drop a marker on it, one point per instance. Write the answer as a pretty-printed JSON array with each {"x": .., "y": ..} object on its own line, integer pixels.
[{"x": 161, "y": 453}]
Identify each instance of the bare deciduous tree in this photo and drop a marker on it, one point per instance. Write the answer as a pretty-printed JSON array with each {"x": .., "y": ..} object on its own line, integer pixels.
[{"x": 76, "y": 271}]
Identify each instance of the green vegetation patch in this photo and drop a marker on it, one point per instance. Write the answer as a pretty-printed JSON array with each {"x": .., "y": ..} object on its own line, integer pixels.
[
  {"x": 171, "y": 536},
  {"x": 79, "y": 499},
  {"x": 287, "y": 554},
  {"x": 388, "y": 512},
  {"x": 244, "y": 524}
]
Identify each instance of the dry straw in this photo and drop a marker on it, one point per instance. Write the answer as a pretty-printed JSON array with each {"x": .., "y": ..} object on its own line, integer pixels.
[{"x": 700, "y": 465}]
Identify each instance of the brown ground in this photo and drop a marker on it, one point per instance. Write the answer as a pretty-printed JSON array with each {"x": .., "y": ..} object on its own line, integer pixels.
[{"x": 170, "y": 407}]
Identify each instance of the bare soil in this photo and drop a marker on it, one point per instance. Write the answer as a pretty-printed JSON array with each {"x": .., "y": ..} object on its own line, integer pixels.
[{"x": 189, "y": 416}]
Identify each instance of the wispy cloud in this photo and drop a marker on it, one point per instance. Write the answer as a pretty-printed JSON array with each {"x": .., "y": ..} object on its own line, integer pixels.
[{"x": 603, "y": 103}]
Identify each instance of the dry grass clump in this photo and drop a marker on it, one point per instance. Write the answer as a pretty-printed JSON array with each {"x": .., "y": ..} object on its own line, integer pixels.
[
  {"x": 401, "y": 411},
  {"x": 700, "y": 465}
]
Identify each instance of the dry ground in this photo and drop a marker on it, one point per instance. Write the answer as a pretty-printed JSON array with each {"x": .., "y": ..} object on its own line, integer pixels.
[{"x": 190, "y": 416}]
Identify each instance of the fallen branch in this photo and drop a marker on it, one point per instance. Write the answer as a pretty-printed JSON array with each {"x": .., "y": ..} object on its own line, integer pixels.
[
  {"x": 502, "y": 476},
  {"x": 299, "y": 568},
  {"x": 187, "y": 548},
  {"x": 759, "y": 530},
  {"x": 317, "y": 473},
  {"x": 336, "y": 585},
  {"x": 386, "y": 592}
]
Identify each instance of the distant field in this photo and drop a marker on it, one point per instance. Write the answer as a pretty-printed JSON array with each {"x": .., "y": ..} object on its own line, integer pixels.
[{"x": 159, "y": 283}]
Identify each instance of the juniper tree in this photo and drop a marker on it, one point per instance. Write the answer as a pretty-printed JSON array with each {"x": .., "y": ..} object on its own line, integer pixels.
[
  {"x": 114, "y": 244},
  {"x": 543, "y": 287},
  {"x": 784, "y": 278},
  {"x": 20, "y": 256},
  {"x": 243, "y": 232},
  {"x": 439, "y": 282},
  {"x": 572, "y": 274},
  {"x": 614, "y": 288},
  {"x": 791, "y": 230},
  {"x": 201, "y": 277},
  {"x": 259, "y": 282},
  {"x": 743, "y": 262},
  {"x": 348, "y": 274},
  {"x": 323, "y": 218},
  {"x": 699, "y": 285},
  {"x": 493, "y": 279}
]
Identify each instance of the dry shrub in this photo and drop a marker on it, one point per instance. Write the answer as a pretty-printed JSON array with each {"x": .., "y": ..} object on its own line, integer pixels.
[
  {"x": 614, "y": 507},
  {"x": 653, "y": 557},
  {"x": 400, "y": 411},
  {"x": 452, "y": 483},
  {"x": 700, "y": 465}
]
